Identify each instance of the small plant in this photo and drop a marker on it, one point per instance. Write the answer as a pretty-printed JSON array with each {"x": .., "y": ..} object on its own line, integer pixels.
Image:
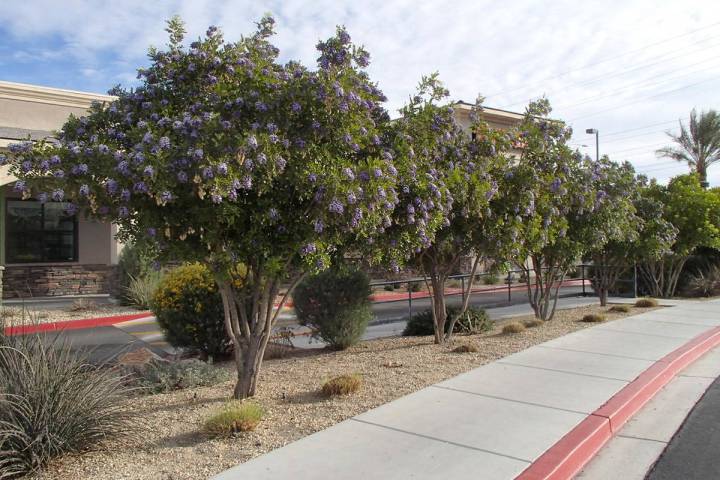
[
  {"x": 234, "y": 417},
  {"x": 414, "y": 287},
  {"x": 82, "y": 305},
  {"x": 466, "y": 348},
  {"x": 514, "y": 327},
  {"x": 533, "y": 323},
  {"x": 162, "y": 376},
  {"x": 53, "y": 403},
  {"x": 475, "y": 320},
  {"x": 189, "y": 309},
  {"x": 389, "y": 287},
  {"x": 342, "y": 385},
  {"x": 491, "y": 279},
  {"x": 593, "y": 318},
  {"x": 140, "y": 290},
  {"x": 454, "y": 283},
  {"x": 619, "y": 309},
  {"x": 646, "y": 303},
  {"x": 335, "y": 304}
]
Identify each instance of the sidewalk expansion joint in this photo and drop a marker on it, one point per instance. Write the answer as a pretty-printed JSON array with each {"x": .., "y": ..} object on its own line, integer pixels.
[
  {"x": 495, "y": 397},
  {"x": 534, "y": 367},
  {"x": 598, "y": 353},
  {"x": 643, "y": 334},
  {"x": 448, "y": 442}
]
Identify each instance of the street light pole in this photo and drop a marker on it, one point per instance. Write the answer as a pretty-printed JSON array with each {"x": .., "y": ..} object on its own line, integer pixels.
[{"x": 595, "y": 131}]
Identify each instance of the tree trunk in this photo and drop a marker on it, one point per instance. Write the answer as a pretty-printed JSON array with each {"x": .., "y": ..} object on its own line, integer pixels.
[
  {"x": 249, "y": 319},
  {"x": 466, "y": 299}
]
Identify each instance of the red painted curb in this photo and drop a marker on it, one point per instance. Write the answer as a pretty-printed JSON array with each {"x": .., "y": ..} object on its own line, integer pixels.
[
  {"x": 74, "y": 324},
  {"x": 573, "y": 451}
]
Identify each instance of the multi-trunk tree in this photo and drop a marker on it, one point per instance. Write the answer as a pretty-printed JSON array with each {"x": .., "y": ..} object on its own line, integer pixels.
[
  {"x": 224, "y": 155},
  {"x": 444, "y": 192},
  {"x": 694, "y": 214}
]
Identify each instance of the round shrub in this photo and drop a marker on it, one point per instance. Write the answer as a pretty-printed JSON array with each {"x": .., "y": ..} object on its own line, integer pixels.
[
  {"x": 342, "y": 385},
  {"x": 619, "y": 309},
  {"x": 514, "y": 327},
  {"x": 475, "y": 320},
  {"x": 234, "y": 417},
  {"x": 646, "y": 303},
  {"x": 335, "y": 304},
  {"x": 189, "y": 309},
  {"x": 593, "y": 318},
  {"x": 533, "y": 323}
]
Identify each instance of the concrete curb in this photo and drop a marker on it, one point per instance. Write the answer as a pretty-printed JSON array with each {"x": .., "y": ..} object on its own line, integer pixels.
[
  {"x": 572, "y": 452},
  {"x": 74, "y": 324}
]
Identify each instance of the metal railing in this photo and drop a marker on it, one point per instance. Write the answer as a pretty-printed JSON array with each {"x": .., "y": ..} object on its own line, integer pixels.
[{"x": 511, "y": 282}]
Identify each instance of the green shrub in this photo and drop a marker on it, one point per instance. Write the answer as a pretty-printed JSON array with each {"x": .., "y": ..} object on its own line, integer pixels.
[
  {"x": 140, "y": 290},
  {"x": 235, "y": 416},
  {"x": 475, "y": 320},
  {"x": 132, "y": 263},
  {"x": 161, "y": 376},
  {"x": 342, "y": 385},
  {"x": 514, "y": 327},
  {"x": 593, "y": 318},
  {"x": 335, "y": 304},
  {"x": 53, "y": 403},
  {"x": 619, "y": 309},
  {"x": 390, "y": 287},
  {"x": 189, "y": 309},
  {"x": 646, "y": 303},
  {"x": 414, "y": 286},
  {"x": 491, "y": 279}
]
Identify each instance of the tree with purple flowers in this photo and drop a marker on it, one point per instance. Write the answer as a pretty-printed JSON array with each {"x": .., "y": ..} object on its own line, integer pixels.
[
  {"x": 225, "y": 156},
  {"x": 444, "y": 191},
  {"x": 548, "y": 191}
]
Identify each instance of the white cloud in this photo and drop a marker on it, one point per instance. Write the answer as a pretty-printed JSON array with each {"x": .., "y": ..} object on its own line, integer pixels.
[{"x": 512, "y": 51}]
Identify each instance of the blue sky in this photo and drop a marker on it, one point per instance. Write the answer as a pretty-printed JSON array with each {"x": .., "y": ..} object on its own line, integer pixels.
[{"x": 627, "y": 68}]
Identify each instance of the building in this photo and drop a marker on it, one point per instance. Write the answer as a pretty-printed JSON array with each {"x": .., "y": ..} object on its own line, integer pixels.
[{"x": 44, "y": 251}]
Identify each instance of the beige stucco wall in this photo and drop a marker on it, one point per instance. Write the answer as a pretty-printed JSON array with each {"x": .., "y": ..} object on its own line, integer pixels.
[{"x": 33, "y": 115}]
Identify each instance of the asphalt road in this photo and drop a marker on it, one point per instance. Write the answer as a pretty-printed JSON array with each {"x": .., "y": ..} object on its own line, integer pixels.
[
  {"x": 694, "y": 451},
  {"x": 104, "y": 344}
]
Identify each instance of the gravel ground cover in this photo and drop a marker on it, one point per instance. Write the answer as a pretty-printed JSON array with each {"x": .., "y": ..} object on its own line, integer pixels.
[
  {"x": 29, "y": 315},
  {"x": 170, "y": 446}
]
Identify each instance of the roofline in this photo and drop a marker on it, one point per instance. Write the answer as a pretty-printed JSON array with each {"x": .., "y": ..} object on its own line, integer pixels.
[
  {"x": 496, "y": 111},
  {"x": 49, "y": 95}
]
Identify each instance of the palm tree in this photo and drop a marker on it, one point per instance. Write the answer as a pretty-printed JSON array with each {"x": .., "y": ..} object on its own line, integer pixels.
[{"x": 698, "y": 145}]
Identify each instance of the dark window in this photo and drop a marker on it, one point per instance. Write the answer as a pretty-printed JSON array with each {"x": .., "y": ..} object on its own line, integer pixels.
[{"x": 39, "y": 232}]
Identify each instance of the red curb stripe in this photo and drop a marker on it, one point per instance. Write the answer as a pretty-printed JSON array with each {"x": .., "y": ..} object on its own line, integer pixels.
[
  {"x": 572, "y": 452},
  {"x": 74, "y": 324}
]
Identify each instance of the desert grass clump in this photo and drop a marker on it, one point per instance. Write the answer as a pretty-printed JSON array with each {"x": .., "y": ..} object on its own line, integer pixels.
[
  {"x": 52, "y": 403},
  {"x": 646, "y": 303},
  {"x": 466, "y": 348},
  {"x": 593, "y": 318},
  {"x": 533, "y": 323},
  {"x": 82, "y": 305},
  {"x": 234, "y": 417},
  {"x": 619, "y": 309},
  {"x": 342, "y": 385},
  {"x": 514, "y": 327}
]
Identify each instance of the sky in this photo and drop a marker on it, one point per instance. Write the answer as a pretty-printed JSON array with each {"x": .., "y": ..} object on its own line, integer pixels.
[{"x": 630, "y": 69}]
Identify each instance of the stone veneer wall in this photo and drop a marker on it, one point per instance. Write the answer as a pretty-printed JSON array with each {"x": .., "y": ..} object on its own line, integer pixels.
[{"x": 53, "y": 280}]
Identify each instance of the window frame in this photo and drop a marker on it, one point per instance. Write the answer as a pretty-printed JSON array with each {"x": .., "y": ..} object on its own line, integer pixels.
[{"x": 9, "y": 259}]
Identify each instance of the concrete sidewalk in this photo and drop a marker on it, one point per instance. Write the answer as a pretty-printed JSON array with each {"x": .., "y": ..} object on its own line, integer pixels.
[{"x": 494, "y": 421}]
